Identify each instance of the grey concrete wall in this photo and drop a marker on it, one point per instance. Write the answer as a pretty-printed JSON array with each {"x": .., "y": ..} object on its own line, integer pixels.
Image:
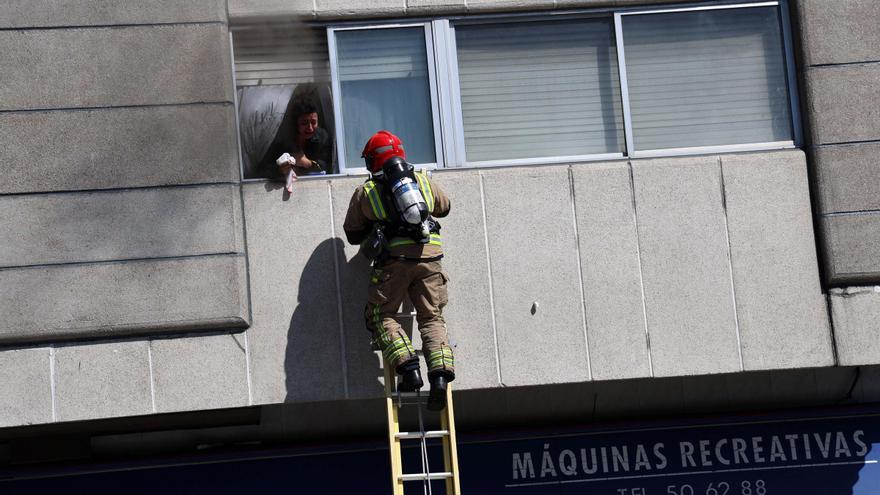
[
  {"x": 640, "y": 269},
  {"x": 109, "y": 148},
  {"x": 840, "y": 68},
  {"x": 695, "y": 266},
  {"x": 342, "y": 9},
  {"x": 95, "y": 380},
  {"x": 48, "y": 13},
  {"x": 856, "y": 311},
  {"x": 120, "y": 191}
]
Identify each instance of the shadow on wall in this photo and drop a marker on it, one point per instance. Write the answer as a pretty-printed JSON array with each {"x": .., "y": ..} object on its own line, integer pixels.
[{"x": 326, "y": 357}]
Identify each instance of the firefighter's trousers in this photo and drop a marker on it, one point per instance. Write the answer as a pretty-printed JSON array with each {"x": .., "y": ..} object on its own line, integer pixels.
[{"x": 425, "y": 283}]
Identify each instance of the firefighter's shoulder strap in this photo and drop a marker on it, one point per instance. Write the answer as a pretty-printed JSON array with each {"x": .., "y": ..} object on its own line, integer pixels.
[
  {"x": 373, "y": 191},
  {"x": 380, "y": 202},
  {"x": 393, "y": 402}
]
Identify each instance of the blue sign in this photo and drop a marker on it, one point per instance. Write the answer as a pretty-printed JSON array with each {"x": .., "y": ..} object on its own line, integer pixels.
[
  {"x": 756, "y": 456},
  {"x": 823, "y": 454}
]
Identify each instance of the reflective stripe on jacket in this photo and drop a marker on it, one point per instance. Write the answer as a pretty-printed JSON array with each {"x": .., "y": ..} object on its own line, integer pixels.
[{"x": 382, "y": 213}]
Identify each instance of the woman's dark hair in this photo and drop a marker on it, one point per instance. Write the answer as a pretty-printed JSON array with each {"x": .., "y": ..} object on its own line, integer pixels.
[{"x": 302, "y": 107}]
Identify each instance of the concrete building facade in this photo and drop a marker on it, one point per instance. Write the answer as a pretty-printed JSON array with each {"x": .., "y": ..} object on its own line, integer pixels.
[{"x": 157, "y": 298}]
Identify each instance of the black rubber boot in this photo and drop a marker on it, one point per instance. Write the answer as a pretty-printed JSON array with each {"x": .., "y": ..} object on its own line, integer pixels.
[
  {"x": 437, "y": 397},
  {"x": 410, "y": 381}
]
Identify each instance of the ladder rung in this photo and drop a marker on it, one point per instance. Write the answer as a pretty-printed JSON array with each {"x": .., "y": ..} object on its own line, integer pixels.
[
  {"x": 409, "y": 435},
  {"x": 425, "y": 476}
]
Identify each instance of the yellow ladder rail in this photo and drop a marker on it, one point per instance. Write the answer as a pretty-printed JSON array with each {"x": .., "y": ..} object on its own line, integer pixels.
[
  {"x": 393, "y": 431},
  {"x": 393, "y": 401}
]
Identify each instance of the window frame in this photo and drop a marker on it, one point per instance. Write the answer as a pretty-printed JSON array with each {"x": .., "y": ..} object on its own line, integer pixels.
[
  {"x": 345, "y": 168},
  {"x": 446, "y": 108},
  {"x": 782, "y": 9}
]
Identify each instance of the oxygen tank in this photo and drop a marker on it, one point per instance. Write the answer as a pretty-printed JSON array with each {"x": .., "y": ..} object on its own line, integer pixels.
[{"x": 407, "y": 196}]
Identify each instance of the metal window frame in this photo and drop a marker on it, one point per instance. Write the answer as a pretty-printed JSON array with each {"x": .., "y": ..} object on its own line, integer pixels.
[
  {"x": 452, "y": 124},
  {"x": 433, "y": 90},
  {"x": 790, "y": 79},
  {"x": 544, "y": 160},
  {"x": 445, "y": 92}
]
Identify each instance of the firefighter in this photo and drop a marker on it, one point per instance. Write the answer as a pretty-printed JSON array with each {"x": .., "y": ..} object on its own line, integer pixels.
[{"x": 394, "y": 212}]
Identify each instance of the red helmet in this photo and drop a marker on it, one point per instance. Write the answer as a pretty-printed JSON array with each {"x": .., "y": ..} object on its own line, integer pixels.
[{"x": 380, "y": 147}]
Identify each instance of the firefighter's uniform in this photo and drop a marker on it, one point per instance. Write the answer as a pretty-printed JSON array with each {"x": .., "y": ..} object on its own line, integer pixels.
[{"x": 409, "y": 268}]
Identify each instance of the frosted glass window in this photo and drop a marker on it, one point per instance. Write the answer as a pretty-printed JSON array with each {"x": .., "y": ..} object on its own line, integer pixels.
[
  {"x": 539, "y": 89},
  {"x": 706, "y": 78},
  {"x": 383, "y": 76}
]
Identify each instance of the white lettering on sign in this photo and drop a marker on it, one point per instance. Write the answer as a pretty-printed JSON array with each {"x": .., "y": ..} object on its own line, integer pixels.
[{"x": 602, "y": 460}]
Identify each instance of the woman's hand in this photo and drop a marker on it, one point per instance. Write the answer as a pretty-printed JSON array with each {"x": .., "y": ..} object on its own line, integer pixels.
[{"x": 284, "y": 162}]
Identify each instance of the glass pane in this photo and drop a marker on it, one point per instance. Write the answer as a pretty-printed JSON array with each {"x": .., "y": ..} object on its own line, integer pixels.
[
  {"x": 705, "y": 78},
  {"x": 383, "y": 75},
  {"x": 539, "y": 89}
]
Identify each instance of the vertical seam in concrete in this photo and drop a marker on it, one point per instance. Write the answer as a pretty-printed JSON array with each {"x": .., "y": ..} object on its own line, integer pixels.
[
  {"x": 339, "y": 312},
  {"x": 232, "y": 222},
  {"x": 244, "y": 245},
  {"x": 247, "y": 261},
  {"x": 247, "y": 368},
  {"x": 742, "y": 366},
  {"x": 152, "y": 375},
  {"x": 52, "y": 381},
  {"x": 580, "y": 271},
  {"x": 632, "y": 190},
  {"x": 832, "y": 335},
  {"x": 491, "y": 285}
]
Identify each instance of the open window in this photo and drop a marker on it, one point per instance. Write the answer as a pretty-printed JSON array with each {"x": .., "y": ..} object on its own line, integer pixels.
[{"x": 281, "y": 74}]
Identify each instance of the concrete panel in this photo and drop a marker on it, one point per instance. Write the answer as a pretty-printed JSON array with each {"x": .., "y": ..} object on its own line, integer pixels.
[
  {"x": 469, "y": 313},
  {"x": 855, "y": 312},
  {"x": 363, "y": 366},
  {"x": 685, "y": 266},
  {"x": 417, "y": 7},
  {"x": 609, "y": 249},
  {"x": 26, "y": 389},
  {"x": 508, "y": 5},
  {"x": 102, "y": 380},
  {"x": 843, "y": 103},
  {"x": 193, "y": 373},
  {"x": 118, "y": 147},
  {"x": 43, "y": 13},
  {"x": 568, "y": 4},
  {"x": 783, "y": 320},
  {"x": 336, "y": 9},
  {"x": 294, "y": 342},
  {"x": 63, "y": 301},
  {"x": 848, "y": 178},
  {"x": 143, "y": 223},
  {"x": 244, "y": 9},
  {"x": 96, "y": 67},
  {"x": 839, "y": 32},
  {"x": 852, "y": 250},
  {"x": 534, "y": 261}
]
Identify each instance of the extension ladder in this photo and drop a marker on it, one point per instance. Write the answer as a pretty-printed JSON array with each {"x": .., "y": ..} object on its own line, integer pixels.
[{"x": 394, "y": 400}]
